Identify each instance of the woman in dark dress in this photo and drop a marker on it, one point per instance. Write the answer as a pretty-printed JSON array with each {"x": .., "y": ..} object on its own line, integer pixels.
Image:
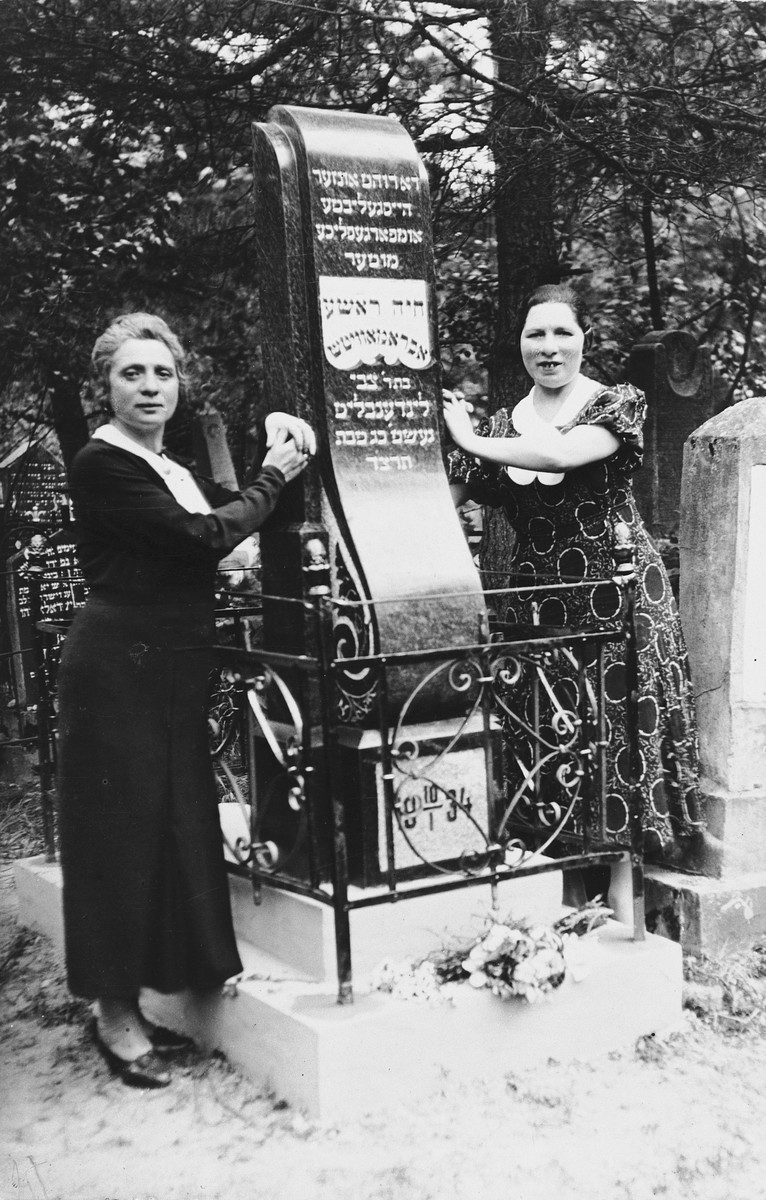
[
  {"x": 146, "y": 901},
  {"x": 560, "y": 464}
]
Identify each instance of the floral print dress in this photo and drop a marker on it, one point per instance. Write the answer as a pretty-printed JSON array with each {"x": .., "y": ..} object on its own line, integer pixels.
[{"x": 564, "y": 527}]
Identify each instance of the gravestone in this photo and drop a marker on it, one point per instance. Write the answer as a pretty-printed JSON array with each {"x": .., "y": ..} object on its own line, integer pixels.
[
  {"x": 349, "y": 322},
  {"x": 36, "y": 521},
  {"x": 33, "y": 494},
  {"x": 723, "y": 584},
  {"x": 212, "y": 456},
  {"x": 348, "y": 314},
  {"x": 61, "y": 590},
  {"x": 677, "y": 378}
]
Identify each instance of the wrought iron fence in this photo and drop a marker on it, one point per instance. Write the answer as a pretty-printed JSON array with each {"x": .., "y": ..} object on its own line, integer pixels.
[
  {"x": 406, "y": 807},
  {"x": 324, "y": 808}
]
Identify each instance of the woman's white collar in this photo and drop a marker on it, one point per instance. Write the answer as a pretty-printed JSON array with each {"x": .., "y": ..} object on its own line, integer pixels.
[{"x": 526, "y": 420}]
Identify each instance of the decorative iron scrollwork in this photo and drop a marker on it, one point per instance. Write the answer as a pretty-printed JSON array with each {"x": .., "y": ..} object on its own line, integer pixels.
[
  {"x": 552, "y": 754},
  {"x": 550, "y": 744},
  {"x": 279, "y": 720},
  {"x": 354, "y": 636}
]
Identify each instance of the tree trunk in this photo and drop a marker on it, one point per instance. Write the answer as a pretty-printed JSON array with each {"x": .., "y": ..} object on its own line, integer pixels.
[
  {"x": 527, "y": 247},
  {"x": 650, "y": 255},
  {"x": 68, "y": 417}
]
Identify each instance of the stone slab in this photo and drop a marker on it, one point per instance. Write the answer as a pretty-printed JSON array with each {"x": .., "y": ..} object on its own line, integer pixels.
[
  {"x": 736, "y": 832},
  {"x": 288, "y": 1033},
  {"x": 721, "y": 539},
  {"x": 677, "y": 378},
  {"x": 300, "y": 930},
  {"x": 706, "y": 915},
  {"x": 440, "y": 789},
  {"x": 39, "y": 891},
  {"x": 334, "y": 1062}
]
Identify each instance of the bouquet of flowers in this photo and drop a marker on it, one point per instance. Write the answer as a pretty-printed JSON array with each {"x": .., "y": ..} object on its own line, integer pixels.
[
  {"x": 510, "y": 960},
  {"x": 407, "y": 982}
]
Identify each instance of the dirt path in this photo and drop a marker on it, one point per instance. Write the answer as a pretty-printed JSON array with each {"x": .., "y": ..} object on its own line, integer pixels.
[
  {"x": 676, "y": 1119},
  {"x": 681, "y": 1118}
]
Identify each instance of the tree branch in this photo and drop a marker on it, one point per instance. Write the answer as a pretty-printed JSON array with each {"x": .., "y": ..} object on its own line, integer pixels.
[{"x": 533, "y": 103}]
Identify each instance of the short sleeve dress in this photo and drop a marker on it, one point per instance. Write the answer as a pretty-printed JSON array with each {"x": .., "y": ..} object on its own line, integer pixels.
[{"x": 564, "y": 527}]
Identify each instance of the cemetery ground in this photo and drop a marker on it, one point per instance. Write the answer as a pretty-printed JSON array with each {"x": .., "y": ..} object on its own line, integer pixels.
[{"x": 682, "y": 1115}]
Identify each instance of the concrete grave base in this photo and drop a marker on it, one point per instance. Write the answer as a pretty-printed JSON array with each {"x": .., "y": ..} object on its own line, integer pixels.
[
  {"x": 703, "y": 914},
  {"x": 282, "y": 1027},
  {"x": 734, "y": 842},
  {"x": 39, "y": 893}
]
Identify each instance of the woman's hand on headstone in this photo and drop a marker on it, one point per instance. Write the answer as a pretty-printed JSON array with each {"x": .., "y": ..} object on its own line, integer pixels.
[
  {"x": 292, "y": 427},
  {"x": 457, "y": 418},
  {"x": 285, "y": 456}
]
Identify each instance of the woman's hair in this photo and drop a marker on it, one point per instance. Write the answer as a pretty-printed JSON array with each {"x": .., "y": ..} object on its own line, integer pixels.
[
  {"x": 555, "y": 293},
  {"x": 144, "y": 326}
]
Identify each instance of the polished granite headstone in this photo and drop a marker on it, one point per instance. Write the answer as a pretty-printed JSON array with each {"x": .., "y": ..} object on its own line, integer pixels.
[
  {"x": 349, "y": 319},
  {"x": 349, "y": 343}
]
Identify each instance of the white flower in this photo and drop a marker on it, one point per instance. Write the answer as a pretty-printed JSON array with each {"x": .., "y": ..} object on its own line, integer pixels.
[
  {"x": 526, "y": 974},
  {"x": 404, "y": 981},
  {"x": 478, "y": 979},
  {"x": 497, "y": 935}
]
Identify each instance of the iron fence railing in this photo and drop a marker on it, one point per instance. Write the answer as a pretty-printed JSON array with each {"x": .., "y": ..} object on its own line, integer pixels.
[
  {"x": 348, "y": 817},
  {"x": 303, "y": 815}
]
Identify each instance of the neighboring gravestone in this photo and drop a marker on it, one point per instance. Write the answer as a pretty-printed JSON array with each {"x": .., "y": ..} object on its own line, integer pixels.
[
  {"x": 37, "y": 537},
  {"x": 52, "y": 596},
  {"x": 677, "y": 378},
  {"x": 212, "y": 456},
  {"x": 723, "y": 585},
  {"x": 348, "y": 314},
  {"x": 33, "y": 494}
]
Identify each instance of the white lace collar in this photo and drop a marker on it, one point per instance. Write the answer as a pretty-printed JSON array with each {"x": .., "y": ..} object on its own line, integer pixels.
[{"x": 525, "y": 419}]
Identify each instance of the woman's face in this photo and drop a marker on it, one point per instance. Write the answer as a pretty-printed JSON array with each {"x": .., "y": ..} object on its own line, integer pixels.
[
  {"x": 143, "y": 387},
  {"x": 552, "y": 345}
]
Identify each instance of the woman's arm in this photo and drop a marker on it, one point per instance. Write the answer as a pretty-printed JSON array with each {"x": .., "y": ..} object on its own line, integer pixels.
[
  {"x": 119, "y": 499},
  {"x": 550, "y": 450}
]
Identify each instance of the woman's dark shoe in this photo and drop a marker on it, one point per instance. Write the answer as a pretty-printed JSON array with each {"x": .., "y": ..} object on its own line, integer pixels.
[
  {"x": 148, "y": 1071},
  {"x": 167, "y": 1041}
]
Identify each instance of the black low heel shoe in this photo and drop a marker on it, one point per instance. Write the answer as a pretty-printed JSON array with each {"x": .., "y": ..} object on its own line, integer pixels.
[
  {"x": 144, "y": 1072},
  {"x": 167, "y": 1041}
]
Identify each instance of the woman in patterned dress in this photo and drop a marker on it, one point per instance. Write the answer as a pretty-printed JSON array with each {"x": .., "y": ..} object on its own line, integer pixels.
[{"x": 560, "y": 464}]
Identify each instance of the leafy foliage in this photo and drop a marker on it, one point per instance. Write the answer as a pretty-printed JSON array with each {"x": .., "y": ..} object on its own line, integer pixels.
[{"x": 621, "y": 143}]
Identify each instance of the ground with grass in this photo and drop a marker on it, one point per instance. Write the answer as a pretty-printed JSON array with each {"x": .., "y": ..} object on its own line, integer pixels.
[{"x": 677, "y": 1117}]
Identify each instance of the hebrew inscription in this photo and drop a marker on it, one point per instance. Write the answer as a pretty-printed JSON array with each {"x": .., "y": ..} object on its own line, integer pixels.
[
  {"x": 376, "y": 323},
  {"x": 365, "y": 321}
]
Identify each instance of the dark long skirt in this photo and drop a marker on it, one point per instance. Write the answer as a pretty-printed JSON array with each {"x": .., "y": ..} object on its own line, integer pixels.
[{"x": 146, "y": 898}]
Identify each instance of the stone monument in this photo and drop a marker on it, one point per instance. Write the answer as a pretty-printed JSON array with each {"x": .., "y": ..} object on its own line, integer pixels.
[
  {"x": 36, "y": 531},
  {"x": 723, "y": 584},
  {"x": 212, "y": 456},
  {"x": 349, "y": 343},
  {"x": 676, "y": 375}
]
